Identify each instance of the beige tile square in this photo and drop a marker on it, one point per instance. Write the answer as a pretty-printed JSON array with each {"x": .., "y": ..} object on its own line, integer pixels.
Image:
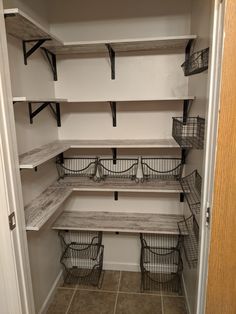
[
  {"x": 130, "y": 282},
  {"x": 138, "y": 304},
  {"x": 61, "y": 301},
  {"x": 174, "y": 305},
  {"x": 93, "y": 302}
]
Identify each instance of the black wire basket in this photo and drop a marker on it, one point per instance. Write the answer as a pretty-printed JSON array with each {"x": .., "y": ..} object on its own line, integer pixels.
[
  {"x": 120, "y": 168},
  {"x": 169, "y": 241},
  {"x": 189, "y": 230},
  {"x": 77, "y": 237},
  {"x": 161, "y": 269},
  {"x": 83, "y": 264},
  {"x": 192, "y": 185},
  {"x": 196, "y": 63},
  {"x": 161, "y": 168},
  {"x": 77, "y": 166},
  {"x": 189, "y": 132}
]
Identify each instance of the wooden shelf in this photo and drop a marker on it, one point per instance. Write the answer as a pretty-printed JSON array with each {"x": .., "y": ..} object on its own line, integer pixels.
[
  {"x": 134, "y": 100},
  {"x": 41, "y": 209},
  {"x": 118, "y": 222},
  {"x": 123, "y": 45},
  {"x": 46, "y": 152},
  {"x": 22, "y": 26},
  {"x": 120, "y": 185},
  {"x": 38, "y": 100}
]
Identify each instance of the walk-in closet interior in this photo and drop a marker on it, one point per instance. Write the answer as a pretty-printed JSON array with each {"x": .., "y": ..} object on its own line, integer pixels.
[{"x": 110, "y": 107}]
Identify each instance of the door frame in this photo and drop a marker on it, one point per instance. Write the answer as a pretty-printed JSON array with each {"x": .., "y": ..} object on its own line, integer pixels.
[{"x": 15, "y": 284}]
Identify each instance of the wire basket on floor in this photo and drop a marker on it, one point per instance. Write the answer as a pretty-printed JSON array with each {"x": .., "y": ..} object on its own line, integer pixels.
[
  {"x": 192, "y": 185},
  {"x": 169, "y": 241},
  {"x": 77, "y": 166},
  {"x": 189, "y": 132},
  {"x": 196, "y": 63},
  {"x": 190, "y": 231},
  {"x": 83, "y": 264},
  {"x": 122, "y": 168},
  {"x": 161, "y": 168},
  {"x": 79, "y": 237},
  {"x": 161, "y": 269}
]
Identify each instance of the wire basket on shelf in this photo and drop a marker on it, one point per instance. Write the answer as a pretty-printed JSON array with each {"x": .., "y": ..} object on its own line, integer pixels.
[
  {"x": 196, "y": 63},
  {"x": 189, "y": 132},
  {"x": 189, "y": 229},
  {"x": 83, "y": 264},
  {"x": 192, "y": 185},
  {"x": 161, "y": 269},
  {"x": 161, "y": 168},
  {"x": 122, "y": 168},
  {"x": 169, "y": 241},
  {"x": 80, "y": 237},
  {"x": 77, "y": 167}
]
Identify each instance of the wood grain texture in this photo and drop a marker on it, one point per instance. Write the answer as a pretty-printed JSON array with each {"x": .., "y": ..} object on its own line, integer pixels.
[
  {"x": 221, "y": 289},
  {"x": 44, "y": 153},
  {"x": 125, "y": 45},
  {"x": 120, "y": 185},
  {"x": 120, "y": 222}
]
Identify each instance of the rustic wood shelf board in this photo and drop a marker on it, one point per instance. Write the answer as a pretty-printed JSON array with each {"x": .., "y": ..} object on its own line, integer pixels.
[
  {"x": 118, "y": 222},
  {"x": 21, "y": 26},
  {"x": 120, "y": 185},
  {"x": 125, "y": 45},
  {"x": 44, "y": 153},
  {"x": 39, "y": 211},
  {"x": 38, "y": 100}
]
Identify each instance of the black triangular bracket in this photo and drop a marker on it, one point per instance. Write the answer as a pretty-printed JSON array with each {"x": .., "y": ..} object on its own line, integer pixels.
[
  {"x": 28, "y": 52},
  {"x": 52, "y": 61},
  {"x": 54, "y": 106},
  {"x": 114, "y": 155},
  {"x": 112, "y": 56},
  {"x": 113, "y": 111}
]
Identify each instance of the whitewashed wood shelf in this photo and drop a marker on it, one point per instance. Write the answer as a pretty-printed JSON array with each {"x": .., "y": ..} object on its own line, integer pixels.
[
  {"x": 118, "y": 222},
  {"x": 22, "y": 26},
  {"x": 123, "y": 45},
  {"x": 133, "y": 99},
  {"x": 40, "y": 155},
  {"x": 120, "y": 185},
  {"x": 41, "y": 209},
  {"x": 38, "y": 100}
]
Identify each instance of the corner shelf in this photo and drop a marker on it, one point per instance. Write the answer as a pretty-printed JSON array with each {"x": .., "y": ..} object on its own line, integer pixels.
[
  {"x": 40, "y": 210},
  {"x": 38, "y": 156},
  {"x": 118, "y": 222}
]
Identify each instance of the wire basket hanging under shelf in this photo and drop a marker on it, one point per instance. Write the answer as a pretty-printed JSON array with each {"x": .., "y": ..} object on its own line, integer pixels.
[{"x": 196, "y": 63}]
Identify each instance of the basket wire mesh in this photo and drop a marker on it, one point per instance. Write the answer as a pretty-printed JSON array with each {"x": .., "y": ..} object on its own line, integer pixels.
[
  {"x": 191, "y": 186},
  {"x": 83, "y": 264},
  {"x": 124, "y": 168},
  {"x": 77, "y": 167},
  {"x": 190, "y": 231},
  {"x": 160, "y": 262},
  {"x": 189, "y": 132},
  {"x": 162, "y": 168},
  {"x": 196, "y": 63}
]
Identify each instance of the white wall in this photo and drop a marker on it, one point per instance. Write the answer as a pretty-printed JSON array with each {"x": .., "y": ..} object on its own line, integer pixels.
[
  {"x": 35, "y": 80},
  {"x": 119, "y": 19}
]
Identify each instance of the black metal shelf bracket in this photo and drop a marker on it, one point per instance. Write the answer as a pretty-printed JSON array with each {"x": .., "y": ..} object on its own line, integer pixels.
[
  {"x": 181, "y": 197},
  {"x": 188, "y": 49},
  {"x": 56, "y": 111},
  {"x": 114, "y": 155},
  {"x": 186, "y": 108},
  {"x": 116, "y": 196},
  {"x": 52, "y": 60},
  {"x": 113, "y": 111},
  {"x": 36, "y": 46},
  {"x": 112, "y": 56}
]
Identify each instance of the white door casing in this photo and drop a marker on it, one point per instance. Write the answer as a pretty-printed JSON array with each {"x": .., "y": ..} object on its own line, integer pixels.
[{"x": 15, "y": 280}]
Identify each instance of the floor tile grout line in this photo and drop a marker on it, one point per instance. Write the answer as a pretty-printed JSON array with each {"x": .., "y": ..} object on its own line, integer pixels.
[
  {"x": 67, "y": 311},
  {"x": 117, "y": 293}
]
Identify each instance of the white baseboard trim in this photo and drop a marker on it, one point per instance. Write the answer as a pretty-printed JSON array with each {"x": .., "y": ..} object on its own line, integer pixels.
[
  {"x": 186, "y": 296},
  {"x": 51, "y": 293},
  {"x": 121, "y": 266}
]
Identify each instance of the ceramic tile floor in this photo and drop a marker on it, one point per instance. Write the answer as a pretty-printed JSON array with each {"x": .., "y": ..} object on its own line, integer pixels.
[{"x": 119, "y": 294}]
